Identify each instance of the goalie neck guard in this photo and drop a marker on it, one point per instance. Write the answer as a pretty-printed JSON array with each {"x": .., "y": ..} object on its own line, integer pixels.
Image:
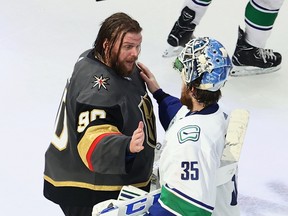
[{"x": 204, "y": 56}]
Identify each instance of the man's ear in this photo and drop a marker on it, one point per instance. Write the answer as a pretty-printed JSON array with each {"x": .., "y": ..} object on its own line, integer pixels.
[
  {"x": 105, "y": 44},
  {"x": 192, "y": 92}
]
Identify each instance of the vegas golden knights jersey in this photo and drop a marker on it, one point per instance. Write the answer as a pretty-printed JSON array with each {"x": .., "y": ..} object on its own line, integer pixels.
[{"x": 98, "y": 114}]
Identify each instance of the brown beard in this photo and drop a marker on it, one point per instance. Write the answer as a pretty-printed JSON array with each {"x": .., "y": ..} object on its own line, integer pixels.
[
  {"x": 186, "y": 99},
  {"x": 120, "y": 68}
]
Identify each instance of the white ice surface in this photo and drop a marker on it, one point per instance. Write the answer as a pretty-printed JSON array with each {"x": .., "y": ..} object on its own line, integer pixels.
[{"x": 39, "y": 44}]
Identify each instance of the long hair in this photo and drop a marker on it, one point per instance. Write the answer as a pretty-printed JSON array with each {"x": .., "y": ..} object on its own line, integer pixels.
[
  {"x": 113, "y": 27},
  {"x": 204, "y": 96}
]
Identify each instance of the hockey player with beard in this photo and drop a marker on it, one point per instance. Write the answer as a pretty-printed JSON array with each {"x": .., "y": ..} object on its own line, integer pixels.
[
  {"x": 195, "y": 135},
  {"x": 250, "y": 56},
  {"x": 105, "y": 131}
]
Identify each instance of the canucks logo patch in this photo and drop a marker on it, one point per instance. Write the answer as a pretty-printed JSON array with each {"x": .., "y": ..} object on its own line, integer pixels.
[
  {"x": 100, "y": 82},
  {"x": 190, "y": 132}
]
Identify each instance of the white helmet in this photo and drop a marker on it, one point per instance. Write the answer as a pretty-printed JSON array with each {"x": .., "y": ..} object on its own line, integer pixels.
[{"x": 204, "y": 56}]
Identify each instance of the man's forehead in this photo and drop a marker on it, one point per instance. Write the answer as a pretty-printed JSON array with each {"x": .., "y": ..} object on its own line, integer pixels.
[{"x": 132, "y": 37}]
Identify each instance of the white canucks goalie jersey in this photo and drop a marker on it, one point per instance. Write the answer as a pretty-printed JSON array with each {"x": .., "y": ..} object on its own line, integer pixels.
[{"x": 192, "y": 153}]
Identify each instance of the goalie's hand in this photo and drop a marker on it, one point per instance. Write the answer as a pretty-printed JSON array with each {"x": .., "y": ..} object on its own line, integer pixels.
[
  {"x": 136, "y": 143},
  {"x": 149, "y": 78}
]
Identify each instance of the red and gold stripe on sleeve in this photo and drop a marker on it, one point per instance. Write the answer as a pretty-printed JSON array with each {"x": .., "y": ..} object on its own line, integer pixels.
[{"x": 91, "y": 138}]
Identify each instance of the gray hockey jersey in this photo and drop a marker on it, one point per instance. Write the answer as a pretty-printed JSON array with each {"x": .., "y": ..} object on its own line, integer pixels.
[{"x": 97, "y": 116}]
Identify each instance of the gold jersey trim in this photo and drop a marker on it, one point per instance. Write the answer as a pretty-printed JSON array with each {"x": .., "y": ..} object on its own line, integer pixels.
[
  {"x": 89, "y": 137},
  {"x": 91, "y": 186}
]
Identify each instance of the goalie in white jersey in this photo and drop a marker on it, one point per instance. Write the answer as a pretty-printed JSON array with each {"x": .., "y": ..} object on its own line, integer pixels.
[{"x": 195, "y": 135}]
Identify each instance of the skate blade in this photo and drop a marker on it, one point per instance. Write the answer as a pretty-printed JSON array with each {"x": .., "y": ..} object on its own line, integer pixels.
[
  {"x": 238, "y": 71},
  {"x": 172, "y": 51}
]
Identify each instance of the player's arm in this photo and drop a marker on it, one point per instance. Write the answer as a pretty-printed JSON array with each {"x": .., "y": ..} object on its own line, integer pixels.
[
  {"x": 101, "y": 145},
  {"x": 168, "y": 105}
]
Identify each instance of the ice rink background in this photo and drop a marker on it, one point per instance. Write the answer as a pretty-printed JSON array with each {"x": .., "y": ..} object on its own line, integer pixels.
[{"x": 39, "y": 44}]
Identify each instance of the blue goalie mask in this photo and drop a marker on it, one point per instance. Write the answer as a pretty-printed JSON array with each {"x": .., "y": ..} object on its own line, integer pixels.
[{"x": 204, "y": 56}]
